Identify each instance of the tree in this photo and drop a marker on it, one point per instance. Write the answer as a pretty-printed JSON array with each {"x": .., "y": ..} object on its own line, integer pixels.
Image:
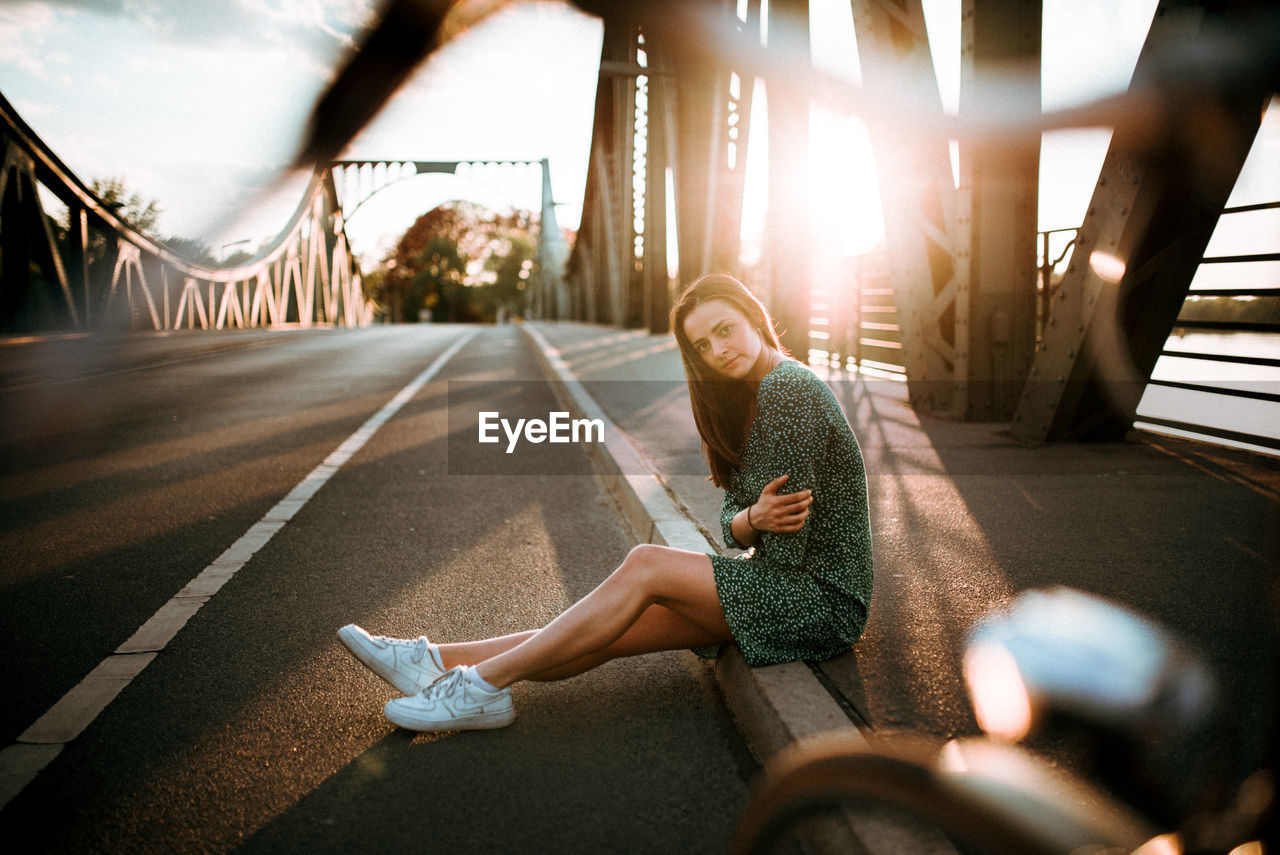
[
  {"x": 459, "y": 261},
  {"x": 195, "y": 251},
  {"x": 437, "y": 285},
  {"x": 512, "y": 270},
  {"x": 138, "y": 212}
]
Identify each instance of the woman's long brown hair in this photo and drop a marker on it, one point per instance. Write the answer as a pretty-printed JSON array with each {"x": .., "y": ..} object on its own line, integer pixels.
[{"x": 723, "y": 409}]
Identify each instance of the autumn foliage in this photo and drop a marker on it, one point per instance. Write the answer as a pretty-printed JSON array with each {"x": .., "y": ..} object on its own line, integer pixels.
[{"x": 458, "y": 262}]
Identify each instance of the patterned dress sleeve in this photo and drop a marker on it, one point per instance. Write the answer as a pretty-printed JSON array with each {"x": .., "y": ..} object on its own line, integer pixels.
[
  {"x": 728, "y": 510},
  {"x": 793, "y": 432}
]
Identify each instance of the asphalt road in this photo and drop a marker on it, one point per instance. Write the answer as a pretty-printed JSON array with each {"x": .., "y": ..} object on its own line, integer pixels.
[
  {"x": 963, "y": 519},
  {"x": 129, "y": 465}
]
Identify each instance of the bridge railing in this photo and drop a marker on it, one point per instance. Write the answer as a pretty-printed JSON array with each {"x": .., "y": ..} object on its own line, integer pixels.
[
  {"x": 853, "y": 325},
  {"x": 1219, "y": 372},
  {"x": 98, "y": 270},
  {"x": 1218, "y": 375}
]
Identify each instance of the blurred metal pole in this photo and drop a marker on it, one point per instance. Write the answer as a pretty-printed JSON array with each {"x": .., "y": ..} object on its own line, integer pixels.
[
  {"x": 928, "y": 244},
  {"x": 659, "y": 144},
  {"x": 995, "y": 306},
  {"x": 788, "y": 235},
  {"x": 1155, "y": 206},
  {"x": 551, "y": 252}
]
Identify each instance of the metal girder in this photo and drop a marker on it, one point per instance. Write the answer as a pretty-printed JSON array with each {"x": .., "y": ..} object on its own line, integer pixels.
[
  {"x": 27, "y": 239},
  {"x": 364, "y": 179},
  {"x": 788, "y": 235},
  {"x": 551, "y": 252},
  {"x": 683, "y": 105},
  {"x": 707, "y": 134},
  {"x": 704, "y": 182},
  {"x": 660, "y": 145},
  {"x": 599, "y": 263},
  {"x": 133, "y": 275},
  {"x": 1153, "y": 211},
  {"x": 964, "y": 260},
  {"x": 926, "y": 227},
  {"x": 995, "y": 306}
]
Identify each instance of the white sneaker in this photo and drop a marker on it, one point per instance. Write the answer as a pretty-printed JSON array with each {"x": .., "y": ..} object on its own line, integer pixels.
[
  {"x": 453, "y": 703},
  {"x": 408, "y": 664}
]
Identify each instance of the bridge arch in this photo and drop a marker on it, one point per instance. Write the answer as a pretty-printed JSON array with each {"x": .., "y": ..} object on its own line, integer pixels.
[
  {"x": 306, "y": 275},
  {"x": 371, "y": 177}
]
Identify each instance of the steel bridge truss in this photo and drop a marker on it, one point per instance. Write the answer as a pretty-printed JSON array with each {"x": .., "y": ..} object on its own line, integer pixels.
[
  {"x": 358, "y": 181},
  {"x": 981, "y": 338},
  {"x": 668, "y": 120},
  {"x": 98, "y": 271}
]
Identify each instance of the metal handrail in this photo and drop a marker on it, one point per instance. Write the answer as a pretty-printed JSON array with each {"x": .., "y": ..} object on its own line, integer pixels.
[
  {"x": 1188, "y": 325},
  {"x": 312, "y": 247},
  {"x": 1219, "y": 390},
  {"x": 71, "y": 190},
  {"x": 1223, "y": 357},
  {"x": 1228, "y": 326}
]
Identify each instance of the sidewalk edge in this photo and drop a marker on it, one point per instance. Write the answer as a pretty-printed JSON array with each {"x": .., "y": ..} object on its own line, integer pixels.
[{"x": 774, "y": 705}]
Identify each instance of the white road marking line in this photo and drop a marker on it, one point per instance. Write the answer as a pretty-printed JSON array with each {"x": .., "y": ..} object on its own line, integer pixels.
[{"x": 40, "y": 743}]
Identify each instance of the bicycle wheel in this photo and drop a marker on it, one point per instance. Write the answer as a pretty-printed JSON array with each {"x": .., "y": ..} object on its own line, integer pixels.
[{"x": 975, "y": 795}]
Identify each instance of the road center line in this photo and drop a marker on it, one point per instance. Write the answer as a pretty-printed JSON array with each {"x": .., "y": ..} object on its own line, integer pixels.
[{"x": 40, "y": 743}]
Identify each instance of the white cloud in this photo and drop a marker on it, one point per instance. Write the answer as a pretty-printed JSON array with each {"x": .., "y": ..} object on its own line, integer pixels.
[
  {"x": 196, "y": 105},
  {"x": 23, "y": 30},
  {"x": 106, "y": 82}
]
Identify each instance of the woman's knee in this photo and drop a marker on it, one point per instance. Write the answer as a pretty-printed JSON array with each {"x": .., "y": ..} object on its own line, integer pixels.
[
  {"x": 643, "y": 564},
  {"x": 645, "y": 555}
]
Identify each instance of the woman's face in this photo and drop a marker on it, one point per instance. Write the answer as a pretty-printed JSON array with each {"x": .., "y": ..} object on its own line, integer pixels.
[{"x": 723, "y": 336}]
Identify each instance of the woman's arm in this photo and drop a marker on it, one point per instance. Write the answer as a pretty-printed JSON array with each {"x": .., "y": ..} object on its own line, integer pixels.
[
  {"x": 793, "y": 429},
  {"x": 782, "y": 513},
  {"x": 743, "y": 533}
]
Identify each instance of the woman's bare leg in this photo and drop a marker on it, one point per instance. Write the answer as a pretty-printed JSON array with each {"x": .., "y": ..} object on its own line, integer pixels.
[
  {"x": 472, "y": 652},
  {"x": 682, "y": 582},
  {"x": 658, "y": 628}
]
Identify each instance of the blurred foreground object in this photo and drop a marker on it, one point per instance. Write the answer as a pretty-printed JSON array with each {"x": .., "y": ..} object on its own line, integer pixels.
[{"x": 1141, "y": 703}]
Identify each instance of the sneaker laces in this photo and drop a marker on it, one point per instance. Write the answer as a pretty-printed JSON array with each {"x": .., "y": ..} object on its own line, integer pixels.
[
  {"x": 446, "y": 683},
  {"x": 418, "y": 646}
]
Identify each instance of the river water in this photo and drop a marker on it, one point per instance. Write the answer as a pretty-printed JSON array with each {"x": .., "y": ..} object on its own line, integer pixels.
[{"x": 1243, "y": 415}]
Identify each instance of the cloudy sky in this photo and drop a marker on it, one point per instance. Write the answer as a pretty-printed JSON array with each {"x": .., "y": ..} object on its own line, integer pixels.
[{"x": 194, "y": 104}]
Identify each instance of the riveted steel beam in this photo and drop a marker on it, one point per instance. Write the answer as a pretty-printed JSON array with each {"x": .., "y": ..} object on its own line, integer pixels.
[
  {"x": 996, "y": 304},
  {"x": 666, "y": 104},
  {"x": 708, "y": 142},
  {"x": 963, "y": 258},
  {"x": 788, "y": 236},
  {"x": 660, "y": 144},
  {"x": 599, "y": 268},
  {"x": 26, "y": 242},
  {"x": 926, "y": 220},
  {"x": 1154, "y": 208}
]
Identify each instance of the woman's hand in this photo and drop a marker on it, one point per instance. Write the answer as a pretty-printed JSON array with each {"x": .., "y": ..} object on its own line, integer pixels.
[{"x": 781, "y": 513}]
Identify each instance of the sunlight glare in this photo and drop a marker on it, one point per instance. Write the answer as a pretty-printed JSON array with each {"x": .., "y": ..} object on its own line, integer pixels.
[
  {"x": 844, "y": 194},
  {"x": 1000, "y": 701},
  {"x": 1106, "y": 266}
]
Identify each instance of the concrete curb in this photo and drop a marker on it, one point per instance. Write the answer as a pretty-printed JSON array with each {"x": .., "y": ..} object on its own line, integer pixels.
[{"x": 775, "y": 705}]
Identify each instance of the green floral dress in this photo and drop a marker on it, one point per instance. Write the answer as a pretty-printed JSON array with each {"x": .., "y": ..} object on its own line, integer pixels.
[{"x": 804, "y": 594}]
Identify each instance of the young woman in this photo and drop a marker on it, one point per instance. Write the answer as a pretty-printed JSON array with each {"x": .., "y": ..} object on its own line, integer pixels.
[{"x": 795, "y": 495}]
